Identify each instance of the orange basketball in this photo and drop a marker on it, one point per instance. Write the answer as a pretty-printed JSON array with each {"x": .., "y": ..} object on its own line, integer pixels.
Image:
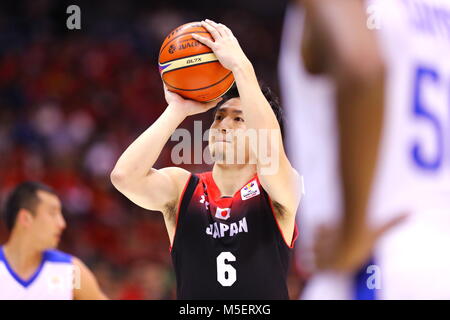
[{"x": 190, "y": 68}]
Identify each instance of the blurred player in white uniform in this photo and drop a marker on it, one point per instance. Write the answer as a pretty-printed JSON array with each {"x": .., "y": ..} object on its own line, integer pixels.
[
  {"x": 30, "y": 266},
  {"x": 412, "y": 172},
  {"x": 311, "y": 140}
]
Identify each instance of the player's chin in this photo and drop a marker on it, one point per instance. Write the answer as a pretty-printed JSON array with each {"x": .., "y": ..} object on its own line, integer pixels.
[{"x": 55, "y": 242}]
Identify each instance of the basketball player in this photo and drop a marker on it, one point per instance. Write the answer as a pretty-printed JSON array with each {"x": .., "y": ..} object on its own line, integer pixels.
[
  {"x": 231, "y": 230},
  {"x": 312, "y": 149},
  {"x": 30, "y": 267},
  {"x": 411, "y": 174},
  {"x": 314, "y": 145}
]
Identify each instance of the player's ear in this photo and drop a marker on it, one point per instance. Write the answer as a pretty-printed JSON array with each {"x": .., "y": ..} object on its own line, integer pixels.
[{"x": 24, "y": 217}]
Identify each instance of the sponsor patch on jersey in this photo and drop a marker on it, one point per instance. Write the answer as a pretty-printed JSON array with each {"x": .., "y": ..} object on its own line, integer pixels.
[
  {"x": 223, "y": 213},
  {"x": 250, "y": 190}
]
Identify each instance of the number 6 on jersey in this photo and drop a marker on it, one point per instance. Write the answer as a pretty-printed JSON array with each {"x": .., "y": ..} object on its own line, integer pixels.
[{"x": 226, "y": 274}]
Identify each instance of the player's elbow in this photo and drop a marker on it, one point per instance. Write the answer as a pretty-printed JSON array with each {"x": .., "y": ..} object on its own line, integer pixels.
[
  {"x": 118, "y": 178},
  {"x": 360, "y": 73}
]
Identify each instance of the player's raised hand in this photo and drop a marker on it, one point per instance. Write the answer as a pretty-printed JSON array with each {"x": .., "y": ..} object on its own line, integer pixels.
[
  {"x": 187, "y": 107},
  {"x": 333, "y": 250},
  {"x": 225, "y": 45}
]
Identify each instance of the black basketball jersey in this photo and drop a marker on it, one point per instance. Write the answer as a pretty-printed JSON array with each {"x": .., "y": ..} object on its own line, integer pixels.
[{"x": 231, "y": 247}]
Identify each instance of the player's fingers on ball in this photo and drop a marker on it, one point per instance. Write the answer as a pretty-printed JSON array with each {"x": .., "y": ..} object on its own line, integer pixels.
[
  {"x": 203, "y": 40},
  {"x": 221, "y": 29},
  {"x": 226, "y": 30},
  {"x": 211, "y": 29},
  {"x": 217, "y": 27},
  {"x": 213, "y": 23}
]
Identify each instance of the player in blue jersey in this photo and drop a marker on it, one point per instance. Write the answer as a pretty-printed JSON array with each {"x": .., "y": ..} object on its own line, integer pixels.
[
  {"x": 390, "y": 72},
  {"x": 30, "y": 265}
]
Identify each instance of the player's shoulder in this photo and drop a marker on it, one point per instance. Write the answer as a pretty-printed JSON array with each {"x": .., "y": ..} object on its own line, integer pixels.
[
  {"x": 179, "y": 175},
  {"x": 58, "y": 256},
  {"x": 2, "y": 257},
  {"x": 176, "y": 172}
]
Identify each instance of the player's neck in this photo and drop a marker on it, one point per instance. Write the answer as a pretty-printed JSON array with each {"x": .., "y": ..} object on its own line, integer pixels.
[
  {"x": 229, "y": 178},
  {"x": 22, "y": 255}
]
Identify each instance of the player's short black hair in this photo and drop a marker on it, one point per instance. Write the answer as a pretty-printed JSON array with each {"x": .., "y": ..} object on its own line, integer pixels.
[
  {"x": 24, "y": 196},
  {"x": 268, "y": 94}
]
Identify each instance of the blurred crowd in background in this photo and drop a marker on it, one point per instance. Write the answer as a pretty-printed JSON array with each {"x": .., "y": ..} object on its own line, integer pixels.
[{"x": 72, "y": 101}]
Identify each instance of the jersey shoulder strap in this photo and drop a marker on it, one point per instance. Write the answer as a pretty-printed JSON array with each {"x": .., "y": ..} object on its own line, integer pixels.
[
  {"x": 187, "y": 193},
  {"x": 2, "y": 257},
  {"x": 185, "y": 199},
  {"x": 57, "y": 256}
]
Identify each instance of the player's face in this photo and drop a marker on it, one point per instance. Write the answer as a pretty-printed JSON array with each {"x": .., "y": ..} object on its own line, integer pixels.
[
  {"x": 48, "y": 222},
  {"x": 226, "y": 137}
]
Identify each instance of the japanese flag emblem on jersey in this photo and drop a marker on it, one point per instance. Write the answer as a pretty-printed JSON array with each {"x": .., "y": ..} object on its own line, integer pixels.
[
  {"x": 250, "y": 190},
  {"x": 223, "y": 213}
]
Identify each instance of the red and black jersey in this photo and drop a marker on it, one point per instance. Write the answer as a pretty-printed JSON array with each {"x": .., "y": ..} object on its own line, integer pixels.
[{"x": 229, "y": 247}]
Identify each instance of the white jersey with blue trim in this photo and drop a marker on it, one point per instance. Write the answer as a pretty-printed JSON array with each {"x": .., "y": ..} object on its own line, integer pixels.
[
  {"x": 413, "y": 174},
  {"x": 53, "y": 280},
  {"x": 413, "y": 169},
  {"x": 311, "y": 140}
]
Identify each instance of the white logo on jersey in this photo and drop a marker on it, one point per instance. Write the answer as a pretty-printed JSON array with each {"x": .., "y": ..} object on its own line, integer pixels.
[
  {"x": 220, "y": 230},
  {"x": 223, "y": 214},
  {"x": 203, "y": 200},
  {"x": 250, "y": 190}
]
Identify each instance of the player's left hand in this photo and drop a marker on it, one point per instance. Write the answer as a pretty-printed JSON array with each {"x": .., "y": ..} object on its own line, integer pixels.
[
  {"x": 334, "y": 250},
  {"x": 225, "y": 46}
]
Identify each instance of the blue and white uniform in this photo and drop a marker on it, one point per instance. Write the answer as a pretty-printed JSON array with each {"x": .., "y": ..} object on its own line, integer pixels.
[
  {"x": 413, "y": 171},
  {"x": 54, "y": 279},
  {"x": 413, "y": 174},
  {"x": 311, "y": 140}
]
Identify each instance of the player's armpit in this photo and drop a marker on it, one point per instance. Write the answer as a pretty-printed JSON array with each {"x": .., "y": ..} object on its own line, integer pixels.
[
  {"x": 86, "y": 288},
  {"x": 284, "y": 185},
  {"x": 155, "y": 191}
]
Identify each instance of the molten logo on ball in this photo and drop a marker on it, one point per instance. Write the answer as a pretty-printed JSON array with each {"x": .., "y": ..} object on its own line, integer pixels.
[{"x": 172, "y": 49}]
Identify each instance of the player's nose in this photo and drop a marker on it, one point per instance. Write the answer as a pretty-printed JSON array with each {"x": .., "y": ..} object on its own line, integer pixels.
[{"x": 62, "y": 223}]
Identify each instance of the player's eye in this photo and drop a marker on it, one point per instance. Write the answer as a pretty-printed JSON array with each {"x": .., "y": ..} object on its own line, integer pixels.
[
  {"x": 218, "y": 117},
  {"x": 239, "y": 119}
]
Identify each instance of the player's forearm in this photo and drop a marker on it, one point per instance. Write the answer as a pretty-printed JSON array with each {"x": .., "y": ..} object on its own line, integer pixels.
[
  {"x": 258, "y": 113},
  {"x": 360, "y": 113},
  {"x": 141, "y": 155},
  {"x": 351, "y": 57}
]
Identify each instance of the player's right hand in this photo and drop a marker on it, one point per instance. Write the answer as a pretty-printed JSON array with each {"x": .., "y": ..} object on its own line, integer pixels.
[
  {"x": 187, "y": 107},
  {"x": 334, "y": 250}
]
